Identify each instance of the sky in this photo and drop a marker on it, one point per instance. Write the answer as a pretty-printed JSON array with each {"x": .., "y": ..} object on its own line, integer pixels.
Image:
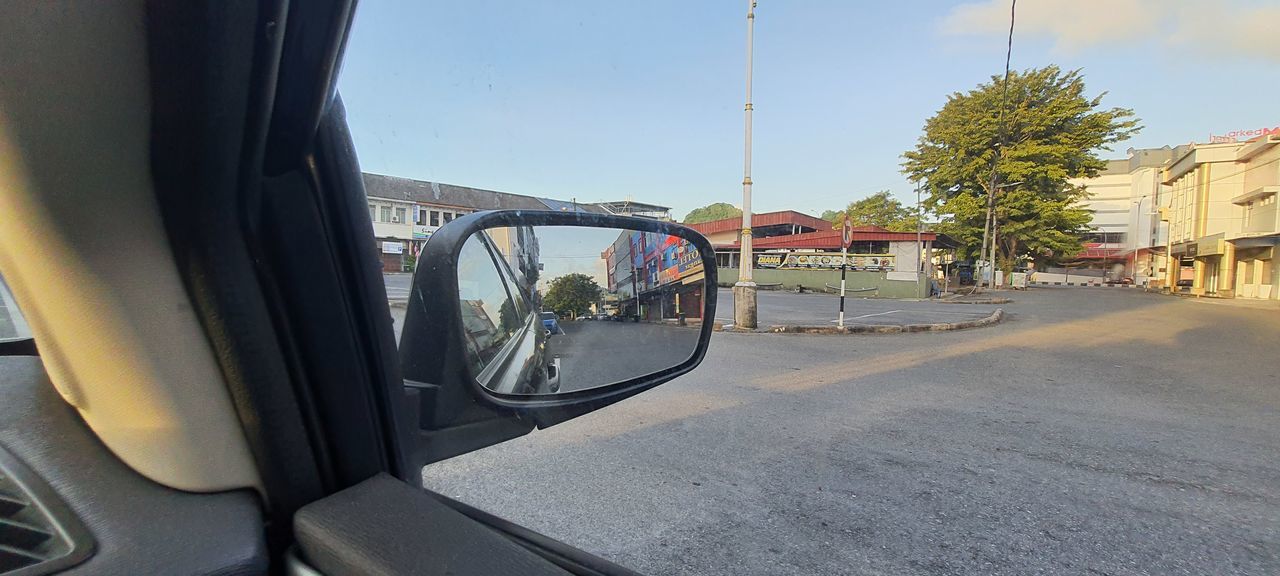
[{"x": 596, "y": 101}]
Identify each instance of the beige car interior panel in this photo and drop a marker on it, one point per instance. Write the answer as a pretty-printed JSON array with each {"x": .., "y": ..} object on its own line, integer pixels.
[{"x": 85, "y": 252}]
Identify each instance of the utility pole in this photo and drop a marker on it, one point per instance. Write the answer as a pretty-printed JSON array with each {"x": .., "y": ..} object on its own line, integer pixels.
[
  {"x": 990, "y": 223},
  {"x": 744, "y": 292}
]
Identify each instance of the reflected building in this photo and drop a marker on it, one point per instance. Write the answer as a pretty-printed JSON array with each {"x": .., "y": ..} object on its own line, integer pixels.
[{"x": 654, "y": 276}]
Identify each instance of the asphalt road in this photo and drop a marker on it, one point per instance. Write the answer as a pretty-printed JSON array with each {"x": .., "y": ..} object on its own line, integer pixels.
[
  {"x": 595, "y": 353},
  {"x": 778, "y": 307},
  {"x": 398, "y": 285},
  {"x": 1095, "y": 431}
]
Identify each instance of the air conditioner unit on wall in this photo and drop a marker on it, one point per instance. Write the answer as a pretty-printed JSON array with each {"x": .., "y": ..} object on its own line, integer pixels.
[{"x": 395, "y": 219}]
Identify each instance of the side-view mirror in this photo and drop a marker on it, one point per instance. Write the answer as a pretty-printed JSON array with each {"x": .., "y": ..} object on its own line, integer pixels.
[{"x": 496, "y": 328}]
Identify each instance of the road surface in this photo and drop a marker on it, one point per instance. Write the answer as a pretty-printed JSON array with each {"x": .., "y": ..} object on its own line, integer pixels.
[
  {"x": 1095, "y": 431},
  {"x": 779, "y": 307},
  {"x": 596, "y": 353}
]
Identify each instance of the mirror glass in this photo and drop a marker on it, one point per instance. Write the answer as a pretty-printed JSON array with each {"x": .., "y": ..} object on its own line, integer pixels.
[{"x": 551, "y": 309}]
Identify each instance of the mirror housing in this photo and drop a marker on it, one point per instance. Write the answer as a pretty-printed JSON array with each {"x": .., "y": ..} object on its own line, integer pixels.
[{"x": 455, "y": 413}]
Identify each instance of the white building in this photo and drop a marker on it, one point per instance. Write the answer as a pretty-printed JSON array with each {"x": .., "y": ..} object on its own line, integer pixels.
[
  {"x": 406, "y": 212},
  {"x": 1128, "y": 239}
]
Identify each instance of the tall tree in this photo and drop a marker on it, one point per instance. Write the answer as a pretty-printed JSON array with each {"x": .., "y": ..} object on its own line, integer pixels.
[
  {"x": 1051, "y": 132},
  {"x": 717, "y": 211},
  {"x": 571, "y": 293},
  {"x": 879, "y": 209}
]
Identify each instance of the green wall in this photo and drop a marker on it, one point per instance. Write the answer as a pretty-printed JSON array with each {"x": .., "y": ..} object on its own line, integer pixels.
[{"x": 815, "y": 279}]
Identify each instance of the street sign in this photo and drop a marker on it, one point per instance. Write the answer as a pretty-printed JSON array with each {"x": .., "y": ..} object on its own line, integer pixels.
[{"x": 846, "y": 238}]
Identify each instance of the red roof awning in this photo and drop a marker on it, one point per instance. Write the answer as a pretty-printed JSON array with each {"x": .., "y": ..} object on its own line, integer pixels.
[
  {"x": 785, "y": 217},
  {"x": 830, "y": 239}
]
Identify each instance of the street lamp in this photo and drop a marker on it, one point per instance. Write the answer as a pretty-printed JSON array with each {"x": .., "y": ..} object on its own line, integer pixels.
[
  {"x": 744, "y": 292},
  {"x": 1138, "y": 213}
]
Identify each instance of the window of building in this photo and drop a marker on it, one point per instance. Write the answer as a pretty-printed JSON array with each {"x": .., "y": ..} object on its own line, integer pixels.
[
  {"x": 386, "y": 214},
  {"x": 722, "y": 259},
  {"x": 448, "y": 216},
  {"x": 1105, "y": 238},
  {"x": 1268, "y": 273},
  {"x": 869, "y": 247},
  {"x": 372, "y": 213},
  {"x": 400, "y": 215},
  {"x": 417, "y": 216},
  {"x": 435, "y": 218}
]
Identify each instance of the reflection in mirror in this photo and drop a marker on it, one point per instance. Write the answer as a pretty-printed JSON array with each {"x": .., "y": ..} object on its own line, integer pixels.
[{"x": 548, "y": 309}]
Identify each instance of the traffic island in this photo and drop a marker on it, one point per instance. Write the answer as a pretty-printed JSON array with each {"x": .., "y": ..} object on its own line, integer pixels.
[{"x": 994, "y": 318}]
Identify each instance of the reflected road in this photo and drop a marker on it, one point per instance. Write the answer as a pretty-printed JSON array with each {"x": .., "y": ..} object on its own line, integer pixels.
[{"x": 596, "y": 353}]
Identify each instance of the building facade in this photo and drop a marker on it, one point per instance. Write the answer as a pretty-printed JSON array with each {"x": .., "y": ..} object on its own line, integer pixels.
[
  {"x": 406, "y": 212},
  {"x": 1223, "y": 227},
  {"x": 1202, "y": 179},
  {"x": 1255, "y": 239},
  {"x": 1127, "y": 236},
  {"x": 792, "y": 249},
  {"x": 654, "y": 276}
]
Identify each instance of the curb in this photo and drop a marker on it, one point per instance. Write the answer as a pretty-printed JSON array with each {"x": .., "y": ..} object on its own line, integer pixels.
[
  {"x": 994, "y": 318},
  {"x": 983, "y": 301},
  {"x": 1091, "y": 284}
]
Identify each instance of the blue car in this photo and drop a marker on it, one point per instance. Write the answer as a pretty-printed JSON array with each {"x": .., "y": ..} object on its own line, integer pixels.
[{"x": 549, "y": 321}]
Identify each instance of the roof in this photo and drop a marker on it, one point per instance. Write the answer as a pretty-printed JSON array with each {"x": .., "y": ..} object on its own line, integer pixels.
[
  {"x": 761, "y": 220},
  {"x": 423, "y": 192},
  {"x": 633, "y": 206},
  {"x": 830, "y": 239}
]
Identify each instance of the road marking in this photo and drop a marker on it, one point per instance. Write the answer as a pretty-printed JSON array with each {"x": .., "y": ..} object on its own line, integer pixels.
[
  {"x": 876, "y": 314},
  {"x": 837, "y": 320}
]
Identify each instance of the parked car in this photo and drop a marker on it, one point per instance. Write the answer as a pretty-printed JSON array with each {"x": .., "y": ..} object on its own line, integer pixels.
[
  {"x": 602, "y": 316},
  {"x": 551, "y": 322}
]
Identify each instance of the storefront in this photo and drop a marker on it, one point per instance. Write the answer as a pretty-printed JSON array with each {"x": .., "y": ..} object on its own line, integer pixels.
[
  {"x": 391, "y": 252},
  {"x": 1255, "y": 276}
]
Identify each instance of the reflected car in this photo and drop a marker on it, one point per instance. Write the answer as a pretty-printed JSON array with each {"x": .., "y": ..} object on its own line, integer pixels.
[
  {"x": 551, "y": 323},
  {"x": 504, "y": 335}
]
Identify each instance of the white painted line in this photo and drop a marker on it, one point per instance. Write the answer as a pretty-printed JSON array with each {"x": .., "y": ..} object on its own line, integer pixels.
[
  {"x": 876, "y": 314},
  {"x": 863, "y": 316}
]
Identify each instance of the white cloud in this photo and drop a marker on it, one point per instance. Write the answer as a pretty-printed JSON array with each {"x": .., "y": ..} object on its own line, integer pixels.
[{"x": 1220, "y": 27}]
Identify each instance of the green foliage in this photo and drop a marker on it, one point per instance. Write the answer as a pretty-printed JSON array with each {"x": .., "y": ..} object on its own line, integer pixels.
[
  {"x": 717, "y": 211},
  {"x": 571, "y": 294},
  {"x": 1053, "y": 133},
  {"x": 879, "y": 209}
]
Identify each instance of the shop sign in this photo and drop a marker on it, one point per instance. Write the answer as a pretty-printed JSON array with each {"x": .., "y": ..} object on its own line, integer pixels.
[
  {"x": 392, "y": 248},
  {"x": 423, "y": 232},
  {"x": 824, "y": 261}
]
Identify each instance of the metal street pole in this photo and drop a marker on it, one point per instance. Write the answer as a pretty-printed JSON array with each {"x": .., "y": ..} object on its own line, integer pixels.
[
  {"x": 919, "y": 242},
  {"x": 846, "y": 235},
  {"x": 744, "y": 292},
  {"x": 1137, "y": 225}
]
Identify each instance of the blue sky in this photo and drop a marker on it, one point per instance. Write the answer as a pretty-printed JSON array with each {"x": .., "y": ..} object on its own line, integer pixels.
[{"x": 605, "y": 101}]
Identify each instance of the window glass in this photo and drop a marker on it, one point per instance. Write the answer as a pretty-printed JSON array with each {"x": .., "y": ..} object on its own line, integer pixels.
[
  {"x": 448, "y": 216},
  {"x": 386, "y": 213},
  {"x": 435, "y": 218},
  {"x": 400, "y": 212},
  {"x": 372, "y": 215},
  {"x": 12, "y": 325},
  {"x": 490, "y": 317}
]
